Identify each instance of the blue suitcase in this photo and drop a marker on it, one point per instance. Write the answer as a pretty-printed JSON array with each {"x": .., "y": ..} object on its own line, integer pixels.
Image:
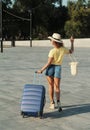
[{"x": 33, "y": 100}]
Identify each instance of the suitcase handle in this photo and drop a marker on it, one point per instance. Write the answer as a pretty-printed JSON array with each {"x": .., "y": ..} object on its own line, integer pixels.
[{"x": 37, "y": 78}]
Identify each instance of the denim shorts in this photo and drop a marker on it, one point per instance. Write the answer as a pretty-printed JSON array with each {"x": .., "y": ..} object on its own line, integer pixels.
[{"x": 54, "y": 71}]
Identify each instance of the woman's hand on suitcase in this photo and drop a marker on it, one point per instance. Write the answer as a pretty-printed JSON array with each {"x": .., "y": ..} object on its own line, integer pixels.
[{"x": 39, "y": 71}]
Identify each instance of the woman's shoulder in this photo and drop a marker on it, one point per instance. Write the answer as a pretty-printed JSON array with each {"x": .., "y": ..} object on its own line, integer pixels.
[
  {"x": 64, "y": 48},
  {"x": 52, "y": 49}
]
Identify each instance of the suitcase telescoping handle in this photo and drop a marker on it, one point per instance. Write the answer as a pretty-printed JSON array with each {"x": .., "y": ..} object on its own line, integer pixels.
[{"x": 37, "y": 78}]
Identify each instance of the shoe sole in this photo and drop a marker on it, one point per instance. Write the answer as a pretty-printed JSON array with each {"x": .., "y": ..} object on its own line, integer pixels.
[{"x": 60, "y": 109}]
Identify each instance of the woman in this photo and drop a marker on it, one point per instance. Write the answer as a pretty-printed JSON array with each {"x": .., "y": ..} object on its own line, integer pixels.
[{"x": 53, "y": 67}]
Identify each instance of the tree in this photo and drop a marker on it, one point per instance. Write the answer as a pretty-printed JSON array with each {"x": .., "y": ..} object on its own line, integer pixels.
[
  {"x": 7, "y": 3},
  {"x": 88, "y": 5},
  {"x": 73, "y": 28},
  {"x": 79, "y": 19},
  {"x": 7, "y": 20},
  {"x": 47, "y": 17}
]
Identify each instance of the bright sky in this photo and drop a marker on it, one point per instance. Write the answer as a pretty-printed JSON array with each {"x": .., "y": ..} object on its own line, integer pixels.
[{"x": 64, "y": 2}]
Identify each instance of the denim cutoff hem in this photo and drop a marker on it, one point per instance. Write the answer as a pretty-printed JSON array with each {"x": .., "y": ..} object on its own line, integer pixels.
[{"x": 54, "y": 71}]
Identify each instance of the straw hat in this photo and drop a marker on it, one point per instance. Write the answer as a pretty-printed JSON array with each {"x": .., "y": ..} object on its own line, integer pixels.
[{"x": 56, "y": 37}]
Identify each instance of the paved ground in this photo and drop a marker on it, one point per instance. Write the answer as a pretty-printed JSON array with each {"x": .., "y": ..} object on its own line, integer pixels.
[{"x": 17, "y": 66}]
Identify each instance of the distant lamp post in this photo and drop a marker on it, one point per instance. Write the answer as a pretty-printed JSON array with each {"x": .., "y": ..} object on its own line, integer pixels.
[{"x": 30, "y": 14}]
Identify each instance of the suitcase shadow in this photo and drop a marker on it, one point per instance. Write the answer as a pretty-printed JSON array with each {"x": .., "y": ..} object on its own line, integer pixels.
[{"x": 68, "y": 111}]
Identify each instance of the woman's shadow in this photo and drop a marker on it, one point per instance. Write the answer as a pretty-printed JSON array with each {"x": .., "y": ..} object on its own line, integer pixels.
[{"x": 69, "y": 111}]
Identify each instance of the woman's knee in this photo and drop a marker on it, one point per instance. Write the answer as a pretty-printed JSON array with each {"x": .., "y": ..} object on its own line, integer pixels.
[
  {"x": 57, "y": 84},
  {"x": 57, "y": 88}
]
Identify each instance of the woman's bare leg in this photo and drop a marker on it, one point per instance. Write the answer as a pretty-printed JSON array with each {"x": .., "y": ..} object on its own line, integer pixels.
[
  {"x": 57, "y": 90},
  {"x": 51, "y": 88},
  {"x": 57, "y": 87}
]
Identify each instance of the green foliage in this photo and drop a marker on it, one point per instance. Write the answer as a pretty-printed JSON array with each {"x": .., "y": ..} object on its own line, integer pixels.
[
  {"x": 88, "y": 5},
  {"x": 79, "y": 19},
  {"x": 72, "y": 28},
  {"x": 7, "y": 3},
  {"x": 46, "y": 18}
]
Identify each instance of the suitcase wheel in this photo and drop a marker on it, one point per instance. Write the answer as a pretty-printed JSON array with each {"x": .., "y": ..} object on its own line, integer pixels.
[
  {"x": 40, "y": 114},
  {"x": 23, "y": 115}
]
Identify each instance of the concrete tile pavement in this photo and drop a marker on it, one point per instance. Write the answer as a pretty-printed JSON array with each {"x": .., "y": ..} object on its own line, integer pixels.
[{"x": 17, "y": 67}]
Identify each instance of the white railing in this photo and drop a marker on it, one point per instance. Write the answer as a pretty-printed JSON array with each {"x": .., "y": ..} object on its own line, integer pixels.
[{"x": 85, "y": 42}]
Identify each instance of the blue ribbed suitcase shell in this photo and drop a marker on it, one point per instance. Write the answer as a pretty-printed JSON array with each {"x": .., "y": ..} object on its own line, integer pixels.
[{"x": 33, "y": 100}]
